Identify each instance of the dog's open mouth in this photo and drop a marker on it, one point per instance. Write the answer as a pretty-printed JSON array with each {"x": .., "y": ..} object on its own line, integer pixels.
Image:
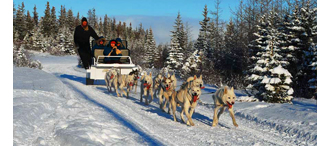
[
  {"x": 195, "y": 98},
  {"x": 131, "y": 84},
  {"x": 203, "y": 87},
  {"x": 230, "y": 105},
  {"x": 167, "y": 88}
]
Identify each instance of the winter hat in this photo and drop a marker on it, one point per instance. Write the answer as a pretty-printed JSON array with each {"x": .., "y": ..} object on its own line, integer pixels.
[
  {"x": 118, "y": 40},
  {"x": 83, "y": 20},
  {"x": 113, "y": 42}
]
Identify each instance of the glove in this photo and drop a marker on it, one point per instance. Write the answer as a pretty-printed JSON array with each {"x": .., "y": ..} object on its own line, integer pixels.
[{"x": 118, "y": 51}]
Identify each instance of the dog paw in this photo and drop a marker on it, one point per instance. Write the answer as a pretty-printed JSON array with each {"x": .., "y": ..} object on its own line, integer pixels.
[
  {"x": 235, "y": 124},
  {"x": 192, "y": 124}
]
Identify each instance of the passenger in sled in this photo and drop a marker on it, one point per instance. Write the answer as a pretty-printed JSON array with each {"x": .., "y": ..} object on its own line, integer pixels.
[
  {"x": 112, "y": 50},
  {"x": 119, "y": 44}
]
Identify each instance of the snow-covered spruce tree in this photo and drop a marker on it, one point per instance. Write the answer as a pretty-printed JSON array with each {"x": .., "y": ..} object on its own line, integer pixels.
[
  {"x": 22, "y": 59},
  {"x": 70, "y": 19},
  {"x": 258, "y": 47},
  {"x": 62, "y": 17},
  {"x": 267, "y": 56},
  {"x": 47, "y": 23},
  {"x": 54, "y": 25},
  {"x": 20, "y": 22},
  {"x": 275, "y": 85},
  {"x": 35, "y": 16},
  {"x": 190, "y": 67},
  {"x": 175, "y": 55},
  {"x": 201, "y": 44},
  {"x": 303, "y": 29},
  {"x": 64, "y": 42},
  {"x": 150, "y": 47},
  {"x": 284, "y": 38}
]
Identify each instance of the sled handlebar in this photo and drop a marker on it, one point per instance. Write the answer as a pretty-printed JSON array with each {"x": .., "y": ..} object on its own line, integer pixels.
[{"x": 96, "y": 61}]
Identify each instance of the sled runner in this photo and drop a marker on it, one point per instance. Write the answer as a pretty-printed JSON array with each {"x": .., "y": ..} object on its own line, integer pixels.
[{"x": 100, "y": 65}]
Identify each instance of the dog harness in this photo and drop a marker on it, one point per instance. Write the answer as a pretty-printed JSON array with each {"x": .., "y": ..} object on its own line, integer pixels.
[{"x": 147, "y": 85}]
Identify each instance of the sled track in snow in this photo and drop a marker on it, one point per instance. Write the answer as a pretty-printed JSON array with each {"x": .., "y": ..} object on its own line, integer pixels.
[{"x": 249, "y": 127}]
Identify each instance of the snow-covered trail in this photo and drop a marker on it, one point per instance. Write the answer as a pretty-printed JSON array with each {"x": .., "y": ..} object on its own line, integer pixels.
[{"x": 155, "y": 127}]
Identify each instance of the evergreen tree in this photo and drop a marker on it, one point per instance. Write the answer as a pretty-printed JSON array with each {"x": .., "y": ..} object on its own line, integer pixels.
[
  {"x": 54, "y": 24},
  {"x": 150, "y": 47},
  {"x": 105, "y": 27},
  {"x": 47, "y": 23},
  {"x": 62, "y": 17},
  {"x": 201, "y": 44},
  {"x": 190, "y": 66},
  {"x": 35, "y": 16},
  {"x": 175, "y": 55},
  {"x": 100, "y": 27},
  {"x": 303, "y": 29},
  {"x": 258, "y": 46},
  {"x": 77, "y": 20},
  {"x": 20, "y": 25},
  {"x": 29, "y": 22},
  {"x": 70, "y": 20}
]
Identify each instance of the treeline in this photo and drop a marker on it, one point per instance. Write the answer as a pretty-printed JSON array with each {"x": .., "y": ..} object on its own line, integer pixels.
[{"x": 54, "y": 34}]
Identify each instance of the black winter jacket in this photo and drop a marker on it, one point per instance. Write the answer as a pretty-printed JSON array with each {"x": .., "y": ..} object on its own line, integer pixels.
[{"x": 81, "y": 37}]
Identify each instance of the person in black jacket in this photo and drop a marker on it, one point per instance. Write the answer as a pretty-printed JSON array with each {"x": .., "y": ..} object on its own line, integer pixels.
[{"x": 81, "y": 38}]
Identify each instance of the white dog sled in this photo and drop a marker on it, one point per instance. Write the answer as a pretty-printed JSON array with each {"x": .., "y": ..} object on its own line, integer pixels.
[{"x": 96, "y": 71}]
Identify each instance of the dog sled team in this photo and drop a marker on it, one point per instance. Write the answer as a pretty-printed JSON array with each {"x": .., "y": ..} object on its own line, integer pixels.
[{"x": 186, "y": 97}]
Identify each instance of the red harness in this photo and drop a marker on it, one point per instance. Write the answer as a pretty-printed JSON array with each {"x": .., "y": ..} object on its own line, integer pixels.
[
  {"x": 147, "y": 85},
  {"x": 111, "y": 76}
]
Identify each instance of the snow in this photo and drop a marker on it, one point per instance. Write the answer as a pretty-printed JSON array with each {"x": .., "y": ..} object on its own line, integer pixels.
[
  {"x": 267, "y": 80},
  {"x": 54, "y": 107},
  {"x": 280, "y": 70}
]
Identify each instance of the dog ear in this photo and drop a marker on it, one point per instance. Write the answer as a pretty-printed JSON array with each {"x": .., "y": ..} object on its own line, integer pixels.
[
  {"x": 150, "y": 74},
  {"x": 201, "y": 77},
  {"x": 232, "y": 89},
  {"x": 168, "y": 75},
  {"x": 195, "y": 77},
  {"x": 225, "y": 90}
]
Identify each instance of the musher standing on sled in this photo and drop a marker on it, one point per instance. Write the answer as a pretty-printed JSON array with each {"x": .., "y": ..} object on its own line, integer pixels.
[{"x": 81, "y": 38}]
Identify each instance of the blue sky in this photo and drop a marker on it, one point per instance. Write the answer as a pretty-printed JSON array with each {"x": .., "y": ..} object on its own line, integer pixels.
[{"x": 151, "y": 13}]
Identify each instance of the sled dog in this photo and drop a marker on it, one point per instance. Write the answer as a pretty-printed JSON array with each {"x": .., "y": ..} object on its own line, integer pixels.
[
  {"x": 187, "y": 98},
  {"x": 166, "y": 90},
  {"x": 125, "y": 81},
  {"x": 111, "y": 79},
  {"x": 197, "y": 82},
  {"x": 157, "y": 82},
  {"x": 223, "y": 98},
  {"x": 135, "y": 74},
  {"x": 146, "y": 87}
]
